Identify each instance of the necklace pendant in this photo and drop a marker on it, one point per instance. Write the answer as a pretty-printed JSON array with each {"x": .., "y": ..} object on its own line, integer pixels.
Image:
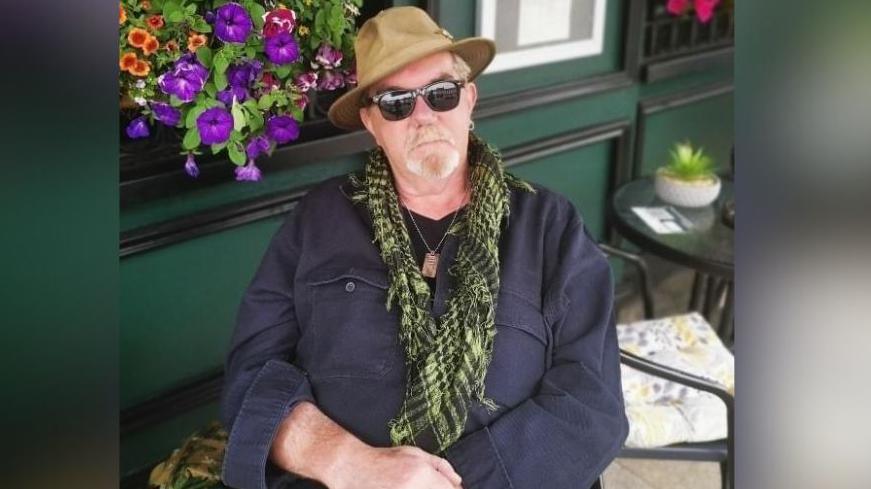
[{"x": 430, "y": 265}]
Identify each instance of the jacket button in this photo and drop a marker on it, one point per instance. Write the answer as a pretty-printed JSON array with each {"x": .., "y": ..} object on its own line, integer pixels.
[{"x": 350, "y": 286}]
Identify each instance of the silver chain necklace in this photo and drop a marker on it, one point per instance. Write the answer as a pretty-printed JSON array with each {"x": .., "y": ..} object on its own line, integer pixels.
[{"x": 431, "y": 259}]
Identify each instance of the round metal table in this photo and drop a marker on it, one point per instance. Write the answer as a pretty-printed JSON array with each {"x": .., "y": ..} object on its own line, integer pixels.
[{"x": 706, "y": 247}]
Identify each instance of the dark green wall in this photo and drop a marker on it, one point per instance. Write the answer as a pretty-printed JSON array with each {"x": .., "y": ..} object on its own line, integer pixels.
[{"x": 178, "y": 300}]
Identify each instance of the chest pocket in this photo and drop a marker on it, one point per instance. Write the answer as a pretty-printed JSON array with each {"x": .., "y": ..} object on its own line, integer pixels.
[
  {"x": 354, "y": 334},
  {"x": 519, "y": 351}
]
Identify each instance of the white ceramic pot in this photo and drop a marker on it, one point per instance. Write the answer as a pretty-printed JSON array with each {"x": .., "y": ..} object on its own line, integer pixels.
[{"x": 686, "y": 193}]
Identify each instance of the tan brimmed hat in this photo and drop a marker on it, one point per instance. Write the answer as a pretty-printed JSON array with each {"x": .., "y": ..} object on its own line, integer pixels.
[{"x": 391, "y": 40}]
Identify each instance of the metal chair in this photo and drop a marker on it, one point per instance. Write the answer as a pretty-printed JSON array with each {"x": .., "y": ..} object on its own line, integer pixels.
[{"x": 721, "y": 451}]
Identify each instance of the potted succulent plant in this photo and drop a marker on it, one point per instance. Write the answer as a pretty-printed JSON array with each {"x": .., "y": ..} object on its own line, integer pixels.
[{"x": 688, "y": 180}]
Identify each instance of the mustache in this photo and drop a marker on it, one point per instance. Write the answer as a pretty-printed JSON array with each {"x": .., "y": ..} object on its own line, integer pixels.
[{"x": 429, "y": 134}]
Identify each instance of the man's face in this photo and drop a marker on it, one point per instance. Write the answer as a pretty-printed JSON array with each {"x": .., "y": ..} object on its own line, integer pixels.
[{"x": 427, "y": 143}]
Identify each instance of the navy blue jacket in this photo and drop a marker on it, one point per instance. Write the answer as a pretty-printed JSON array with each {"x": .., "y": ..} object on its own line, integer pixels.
[{"x": 313, "y": 326}]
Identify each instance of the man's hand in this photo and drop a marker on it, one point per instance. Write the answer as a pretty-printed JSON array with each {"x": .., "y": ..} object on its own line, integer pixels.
[
  {"x": 394, "y": 468},
  {"x": 311, "y": 445}
]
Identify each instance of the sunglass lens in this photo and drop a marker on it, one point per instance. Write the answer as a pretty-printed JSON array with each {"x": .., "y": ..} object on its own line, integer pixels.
[
  {"x": 396, "y": 105},
  {"x": 443, "y": 96}
]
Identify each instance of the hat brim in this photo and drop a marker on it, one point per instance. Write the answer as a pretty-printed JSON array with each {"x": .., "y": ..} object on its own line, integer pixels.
[{"x": 478, "y": 52}]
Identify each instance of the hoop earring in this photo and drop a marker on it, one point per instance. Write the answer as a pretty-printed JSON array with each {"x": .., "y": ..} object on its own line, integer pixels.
[{"x": 471, "y": 125}]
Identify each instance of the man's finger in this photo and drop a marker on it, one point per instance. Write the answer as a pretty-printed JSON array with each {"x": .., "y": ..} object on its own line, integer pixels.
[{"x": 444, "y": 467}]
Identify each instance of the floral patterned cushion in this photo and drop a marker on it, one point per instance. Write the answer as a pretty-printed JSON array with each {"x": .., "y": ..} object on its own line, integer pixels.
[{"x": 662, "y": 412}]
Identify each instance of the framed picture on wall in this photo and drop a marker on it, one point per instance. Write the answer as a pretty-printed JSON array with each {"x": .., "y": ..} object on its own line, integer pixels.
[{"x": 536, "y": 32}]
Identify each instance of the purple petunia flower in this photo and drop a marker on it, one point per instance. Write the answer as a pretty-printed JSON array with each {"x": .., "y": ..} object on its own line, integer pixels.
[
  {"x": 328, "y": 56},
  {"x": 306, "y": 81},
  {"x": 331, "y": 80},
  {"x": 282, "y": 128},
  {"x": 209, "y": 17},
  {"x": 248, "y": 173},
  {"x": 226, "y": 96},
  {"x": 186, "y": 79},
  {"x": 165, "y": 113},
  {"x": 214, "y": 125},
  {"x": 138, "y": 128},
  {"x": 190, "y": 166},
  {"x": 189, "y": 62},
  {"x": 257, "y": 146},
  {"x": 232, "y": 23},
  {"x": 281, "y": 48},
  {"x": 245, "y": 73}
]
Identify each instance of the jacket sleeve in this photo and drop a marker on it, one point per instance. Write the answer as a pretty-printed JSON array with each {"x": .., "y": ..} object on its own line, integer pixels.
[
  {"x": 573, "y": 427},
  {"x": 261, "y": 385}
]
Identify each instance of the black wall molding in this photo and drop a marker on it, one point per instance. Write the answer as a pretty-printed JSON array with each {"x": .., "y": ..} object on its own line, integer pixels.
[
  {"x": 207, "y": 222},
  {"x": 198, "y": 392},
  {"x": 652, "y": 106},
  {"x": 237, "y": 214},
  {"x": 693, "y": 63},
  {"x": 206, "y": 389}
]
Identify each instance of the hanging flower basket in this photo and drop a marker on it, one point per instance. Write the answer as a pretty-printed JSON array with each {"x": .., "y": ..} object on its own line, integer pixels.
[{"x": 230, "y": 77}]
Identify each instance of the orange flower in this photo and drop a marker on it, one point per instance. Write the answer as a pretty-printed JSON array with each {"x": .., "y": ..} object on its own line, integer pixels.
[
  {"x": 128, "y": 61},
  {"x": 146, "y": 5},
  {"x": 122, "y": 15},
  {"x": 155, "y": 21},
  {"x": 150, "y": 46},
  {"x": 171, "y": 46},
  {"x": 141, "y": 68},
  {"x": 195, "y": 41},
  {"x": 137, "y": 37}
]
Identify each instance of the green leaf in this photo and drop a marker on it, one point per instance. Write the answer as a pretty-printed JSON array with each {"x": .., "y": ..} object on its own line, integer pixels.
[
  {"x": 220, "y": 80},
  {"x": 265, "y": 101},
  {"x": 190, "y": 9},
  {"x": 320, "y": 19},
  {"x": 204, "y": 54},
  {"x": 239, "y": 120},
  {"x": 218, "y": 147},
  {"x": 191, "y": 119},
  {"x": 191, "y": 139},
  {"x": 210, "y": 89},
  {"x": 237, "y": 155},
  {"x": 250, "y": 52},
  {"x": 169, "y": 8},
  {"x": 282, "y": 71},
  {"x": 255, "y": 118},
  {"x": 220, "y": 61},
  {"x": 175, "y": 101},
  {"x": 251, "y": 105},
  {"x": 297, "y": 113},
  {"x": 200, "y": 25},
  {"x": 337, "y": 18},
  {"x": 257, "y": 12}
]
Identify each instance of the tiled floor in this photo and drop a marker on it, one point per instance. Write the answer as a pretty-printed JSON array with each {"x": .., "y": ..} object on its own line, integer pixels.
[
  {"x": 671, "y": 296},
  {"x": 627, "y": 473}
]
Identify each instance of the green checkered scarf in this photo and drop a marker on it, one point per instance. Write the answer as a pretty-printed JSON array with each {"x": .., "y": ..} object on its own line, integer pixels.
[{"x": 446, "y": 359}]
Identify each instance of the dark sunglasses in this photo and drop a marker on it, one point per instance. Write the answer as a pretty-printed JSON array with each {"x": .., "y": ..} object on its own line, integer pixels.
[{"x": 440, "y": 96}]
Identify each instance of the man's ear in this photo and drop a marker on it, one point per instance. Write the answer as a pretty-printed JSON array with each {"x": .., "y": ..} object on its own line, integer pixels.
[
  {"x": 472, "y": 93},
  {"x": 367, "y": 122}
]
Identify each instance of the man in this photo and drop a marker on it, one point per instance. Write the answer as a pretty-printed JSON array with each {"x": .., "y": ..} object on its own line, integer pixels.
[{"x": 433, "y": 322}]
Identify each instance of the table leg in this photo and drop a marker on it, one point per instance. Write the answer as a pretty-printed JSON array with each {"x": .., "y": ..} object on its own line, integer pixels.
[
  {"x": 727, "y": 318},
  {"x": 711, "y": 297},
  {"x": 696, "y": 294}
]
